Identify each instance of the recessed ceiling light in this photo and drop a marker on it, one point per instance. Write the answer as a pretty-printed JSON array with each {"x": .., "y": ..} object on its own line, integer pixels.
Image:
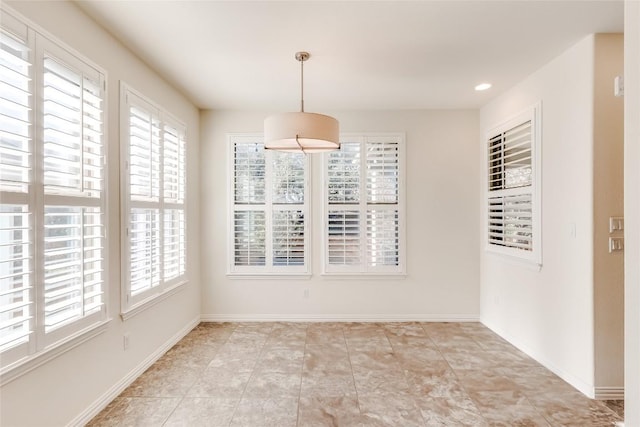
[{"x": 483, "y": 86}]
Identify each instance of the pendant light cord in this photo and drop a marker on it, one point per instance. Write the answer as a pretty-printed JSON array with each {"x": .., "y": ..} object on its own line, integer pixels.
[{"x": 302, "y": 86}]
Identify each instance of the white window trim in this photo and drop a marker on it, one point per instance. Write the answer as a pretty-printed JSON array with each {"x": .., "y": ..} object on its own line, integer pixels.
[
  {"x": 519, "y": 257},
  {"x": 384, "y": 273},
  {"x": 69, "y": 336},
  {"x": 264, "y": 272},
  {"x": 132, "y": 306}
]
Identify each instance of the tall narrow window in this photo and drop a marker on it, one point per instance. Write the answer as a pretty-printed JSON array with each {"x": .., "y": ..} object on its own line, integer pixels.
[
  {"x": 154, "y": 211},
  {"x": 269, "y": 209},
  {"x": 512, "y": 187},
  {"x": 52, "y": 164},
  {"x": 364, "y": 213}
]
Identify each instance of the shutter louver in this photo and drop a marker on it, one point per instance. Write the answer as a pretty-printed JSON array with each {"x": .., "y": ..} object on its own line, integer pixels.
[
  {"x": 16, "y": 294},
  {"x": 510, "y": 185},
  {"x": 16, "y": 240},
  {"x": 288, "y": 178},
  {"x": 382, "y": 237},
  {"x": 174, "y": 243},
  {"x": 344, "y": 238},
  {"x": 382, "y": 172},
  {"x": 174, "y": 165},
  {"x": 249, "y": 231},
  {"x": 288, "y": 238},
  {"x": 144, "y": 249},
  {"x": 144, "y": 155},
  {"x": 344, "y": 174},
  {"x": 15, "y": 114},
  {"x": 510, "y": 221},
  {"x": 249, "y": 173}
]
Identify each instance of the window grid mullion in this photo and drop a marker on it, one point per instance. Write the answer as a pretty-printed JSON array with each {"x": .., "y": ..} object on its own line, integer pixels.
[
  {"x": 38, "y": 194},
  {"x": 268, "y": 208},
  {"x": 161, "y": 207},
  {"x": 363, "y": 205}
]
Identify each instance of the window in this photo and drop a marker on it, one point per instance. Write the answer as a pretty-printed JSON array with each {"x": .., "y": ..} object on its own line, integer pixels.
[
  {"x": 364, "y": 206},
  {"x": 512, "y": 187},
  {"x": 269, "y": 209},
  {"x": 52, "y": 215},
  {"x": 154, "y": 150}
]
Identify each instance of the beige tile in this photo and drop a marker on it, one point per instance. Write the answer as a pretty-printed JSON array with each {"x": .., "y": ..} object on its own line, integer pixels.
[
  {"x": 162, "y": 381},
  {"x": 273, "y": 384},
  {"x": 450, "y": 411},
  {"x": 507, "y": 407},
  {"x": 202, "y": 411},
  {"x": 332, "y": 385},
  {"x": 266, "y": 413},
  {"x": 574, "y": 410},
  {"x": 321, "y": 411},
  {"x": 221, "y": 383},
  {"x": 351, "y": 374},
  {"x": 390, "y": 409},
  {"x": 138, "y": 411}
]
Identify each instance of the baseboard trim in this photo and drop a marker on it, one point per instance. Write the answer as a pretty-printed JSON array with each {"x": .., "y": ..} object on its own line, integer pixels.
[
  {"x": 609, "y": 393},
  {"x": 101, "y": 403},
  {"x": 577, "y": 383},
  {"x": 339, "y": 318}
]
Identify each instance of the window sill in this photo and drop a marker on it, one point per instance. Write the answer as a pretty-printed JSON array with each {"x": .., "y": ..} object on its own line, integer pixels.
[
  {"x": 508, "y": 258},
  {"x": 152, "y": 300},
  {"x": 265, "y": 276},
  {"x": 364, "y": 276},
  {"x": 29, "y": 363}
]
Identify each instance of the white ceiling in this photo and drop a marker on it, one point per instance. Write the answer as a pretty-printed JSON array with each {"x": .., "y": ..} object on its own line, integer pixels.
[{"x": 364, "y": 54}]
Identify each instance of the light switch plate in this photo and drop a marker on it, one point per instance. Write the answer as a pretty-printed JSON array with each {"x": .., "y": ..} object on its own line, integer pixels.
[
  {"x": 616, "y": 244},
  {"x": 616, "y": 223}
]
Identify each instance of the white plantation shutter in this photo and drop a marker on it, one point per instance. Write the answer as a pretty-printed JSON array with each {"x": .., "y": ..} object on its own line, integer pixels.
[
  {"x": 268, "y": 209},
  {"x": 510, "y": 221},
  {"x": 52, "y": 225},
  {"x": 16, "y": 271},
  {"x": 155, "y": 189},
  {"x": 364, "y": 206},
  {"x": 72, "y": 170},
  {"x": 17, "y": 296},
  {"x": 249, "y": 229},
  {"x": 344, "y": 241},
  {"x": 512, "y": 189}
]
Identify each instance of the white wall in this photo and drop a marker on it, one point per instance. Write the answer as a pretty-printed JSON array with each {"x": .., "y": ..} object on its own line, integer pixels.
[
  {"x": 632, "y": 211},
  {"x": 73, "y": 386},
  {"x": 550, "y": 312},
  {"x": 442, "y": 224}
]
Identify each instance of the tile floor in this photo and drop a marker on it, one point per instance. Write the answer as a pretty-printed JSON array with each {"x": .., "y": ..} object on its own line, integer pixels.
[{"x": 350, "y": 374}]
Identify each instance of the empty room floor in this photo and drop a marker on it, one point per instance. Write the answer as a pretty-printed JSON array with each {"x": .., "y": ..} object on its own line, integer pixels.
[{"x": 351, "y": 374}]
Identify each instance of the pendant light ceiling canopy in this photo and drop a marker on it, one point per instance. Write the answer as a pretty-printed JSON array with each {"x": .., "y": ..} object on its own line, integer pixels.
[{"x": 301, "y": 131}]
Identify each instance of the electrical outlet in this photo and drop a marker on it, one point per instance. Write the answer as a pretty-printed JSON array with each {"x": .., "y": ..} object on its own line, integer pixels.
[
  {"x": 616, "y": 244},
  {"x": 306, "y": 293},
  {"x": 126, "y": 340}
]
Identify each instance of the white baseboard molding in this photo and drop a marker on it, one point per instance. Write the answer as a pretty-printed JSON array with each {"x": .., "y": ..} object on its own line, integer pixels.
[
  {"x": 609, "y": 393},
  {"x": 339, "y": 318},
  {"x": 101, "y": 403},
  {"x": 588, "y": 390}
]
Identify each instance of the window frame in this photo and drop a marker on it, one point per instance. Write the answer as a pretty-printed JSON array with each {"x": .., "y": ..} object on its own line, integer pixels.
[
  {"x": 362, "y": 269},
  {"x": 41, "y": 345},
  {"x": 132, "y": 305},
  {"x": 534, "y": 256},
  {"x": 267, "y": 271}
]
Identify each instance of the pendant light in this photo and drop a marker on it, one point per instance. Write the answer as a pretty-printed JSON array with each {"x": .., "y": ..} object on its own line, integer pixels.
[{"x": 301, "y": 131}]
